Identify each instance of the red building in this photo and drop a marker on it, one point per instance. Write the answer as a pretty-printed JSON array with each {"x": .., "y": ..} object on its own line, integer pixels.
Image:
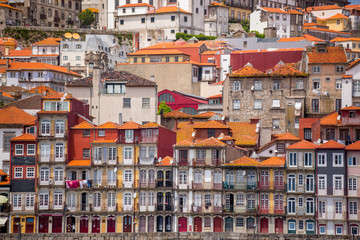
[{"x": 265, "y": 59}]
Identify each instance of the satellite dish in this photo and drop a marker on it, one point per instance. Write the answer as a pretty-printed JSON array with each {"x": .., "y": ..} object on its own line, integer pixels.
[
  {"x": 44, "y": 72},
  {"x": 223, "y": 118},
  {"x": 257, "y": 130},
  {"x": 68, "y": 35},
  {"x": 318, "y": 141},
  {"x": 134, "y": 194},
  {"x": 76, "y": 36},
  {"x": 338, "y": 117},
  {"x": 115, "y": 169},
  {"x": 257, "y": 125},
  {"x": 159, "y": 159},
  {"x": 252, "y": 88},
  {"x": 276, "y": 151},
  {"x": 193, "y": 134}
]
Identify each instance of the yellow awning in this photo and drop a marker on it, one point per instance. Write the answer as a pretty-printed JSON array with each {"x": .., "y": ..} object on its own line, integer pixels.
[{"x": 3, "y": 220}]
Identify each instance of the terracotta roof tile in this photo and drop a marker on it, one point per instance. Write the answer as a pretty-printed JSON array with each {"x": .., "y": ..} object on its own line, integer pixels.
[
  {"x": 24, "y": 137},
  {"x": 244, "y": 133},
  {"x": 273, "y": 162},
  {"x": 33, "y": 102},
  {"x": 215, "y": 96},
  {"x": 184, "y": 143},
  {"x": 330, "y": 119},
  {"x": 325, "y": 30},
  {"x": 2, "y": 5},
  {"x": 274, "y": 10},
  {"x": 49, "y": 41},
  {"x": 58, "y": 95},
  {"x": 150, "y": 125},
  {"x": 136, "y": 5},
  {"x": 355, "y": 108},
  {"x": 79, "y": 163},
  {"x": 5, "y": 94},
  {"x": 331, "y": 145},
  {"x": 354, "y": 146},
  {"x": 247, "y": 70},
  {"x": 217, "y": 4},
  {"x": 176, "y": 114},
  {"x": 130, "y": 125},
  {"x": 321, "y": 8},
  {"x": 170, "y": 9},
  {"x": 14, "y": 115},
  {"x": 2, "y": 173},
  {"x": 165, "y": 51},
  {"x": 212, "y": 124},
  {"x": 40, "y": 66},
  {"x": 210, "y": 142},
  {"x": 110, "y": 125},
  {"x": 312, "y": 38},
  {"x": 226, "y": 138},
  {"x": 353, "y": 63},
  {"x": 333, "y": 55},
  {"x": 287, "y": 69},
  {"x": 6, "y": 182},
  {"x": 132, "y": 80},
  {"x": 104, "y": 141},
  {"x": 302, "y": 145},
  {"x": 19, "y": 53},
  {"x": 288, "y": 136},
  {"x": 338, "y": 16},
  {"x": 94, "y": 10},
  {"x": 166, "y": 161},
  {"x": 84, "y": 125},
  {"x": 218, "y": 83},
  {"x": 291, "y": 11},
  {"x": 243, "y": 162},
  {"x": 205, "y": 115},
  {"x": 41, "y": 89},
  {"x": 292, "y": 39}
]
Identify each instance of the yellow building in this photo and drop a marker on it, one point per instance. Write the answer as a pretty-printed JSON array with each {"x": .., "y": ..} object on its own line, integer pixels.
[
  {"x": 338, "y": 22},
  {"x": 165, "y": 55},
  {"x": 239, "y": 14}
]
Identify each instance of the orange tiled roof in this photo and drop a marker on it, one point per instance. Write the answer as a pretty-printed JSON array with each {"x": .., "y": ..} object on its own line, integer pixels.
[
  {"x": 166, "y": 161},
  {"x": 288, "y": 136},
  {"x": 184, "y": 143},
  {"x": 243, "y": 162},
  {"x": 14, "y": 115},
  {"x": 210, "y": 142},
  {"x": 5, "y": 94},
  {"x": 352, "y": 6},
  {"x": 287, "y": 69},
  {"x": 2, "y": 173},
  {"x": 243, "y": 133},
  {"x": 226, "y": 138},
  {"x": 94, "y": 10},
  {"x": 294, "y": 12},
  {"x": 75, "y": 163},
  {"x": 321, "y": 8},
  {"x": 157, "y": 52},
  {"x": 247, "y": 70},
  {"x": 215, "y": 96},
  {"x": 6, "y": 182},
  {"x": 20, "y": 53},
  {"x": 331, "y": 145},
  {"x": 212, "y": 124},
  {"x": 351, "y": 108},
  {"x": 41, "y": 89},
  {"x": 130, "y": 125},
  {"x": 218, "y": 83},
  {"x": 273, "y": 162},
  {"x": 150, "y": 125},
  {"x": 274, "y": 10},
  {"x": 347, "y": 76},
  {"x": 84, "y": 125},
  {"x": 217, "y": 4},
  {"x": 49, "y": 41},
  {"x": 105, "y": 141},
  {"x": 176, "y": 114},
  {"x": 136, "y": 5},
  {"x": 24, "y": 137},
  {"x": 58, "y": 95},
  {"x": 169, "y": 9},
  {"x": 333, "y": 55},
  {"x": 354, "y": 146},
  {"x": 292, "y": 39},
  {"x": 341, "y": 39},
  {"x": 353, "y": 63},
  {"x": 205, "y": 115},
  {"x": 10, "y": 7},
  {"x": 302, "y": 145},
  {"x": 108, "y": 125},
  {"x": 325, "y": 30},
  {"x": 312, "y": 38},
  {"x": 40, "y": 66},
  {"x": 338, "y": 16},
  {"x": 330, "y": 119}
]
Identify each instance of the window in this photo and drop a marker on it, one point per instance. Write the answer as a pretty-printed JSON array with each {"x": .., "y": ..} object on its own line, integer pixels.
[
  {"x": 86, "y": 152},
  {"x": 340, "y": 68},
  {"x": 183, "y": 177},
  {"x": 236, "y": 104},
  {"x": 264, "y": 178},
  {"x": 322, "y": 182},
  {"x": 97, "y": 199},
  {"x": 338, "y": 207},
  {"x": 152, "y": 19},
  {"x": 30, "y": 172},
  {"x": 198, "y": 176},
  {"x": 322, "y": 159},
  {"x": 58, "y": 198},
  {"x": 258, "y": 85},
  {"x": 291, "y": 205},
  {"x": 240, "y": 200},
  {"x": 279, "y": 202},
  {"x": 65, "y": 57},
  {"x": 307, "y": 159},
  {"x": 291, "y": 183},
  {"x": 300, "y": 180},
  {"x": 128, "y": 176},
  {"x": 300, "y": 202},
  {"x": 122, "y": 21},
  {"x": 309, "y": 226},
  {"x": 17, "y": 200},
  {"x": 237, "y": 85},
  {"x": 309, "y": 205},
  {"x": 127, "y": 102},
  {"x": 31, "y": 149},
  {"x": 112, "y": 155},
  {"x": 315, "y": 105},
  {"x": 18, "y": 172},
  {"x": 316, "y": 83},
  {"x": 322, "y": 229},
  {"x": 201, "y": 154},
  {"x": 338, "y": 84},
  {"x": 111, "y": 199},
  {"x": 29, "y": 200},
  {"x": 257, "y": 104},
  {"x": 185, "y": 18},
  {"x": 301, "y": 225},
  {"x": 239, "y": 222},
  {"x": 264, "y": 201},
  {"x": 44, "y": 174},
  {"x": 276, "y": 103},
  {"x": 337, "y": 160},
  {"x": 339, "y": 229},
  {"x": 276, "y": 123},
  {"x": 128, "y": 154},
  {"x": 101, "y": 133},
  {"x": 276, "y": 84},
  {"x": 316, "y": 69},
  {"x": 142, "y": 20},
  {"x": 251, "y": 201},
  {"x": 353, "y": 207},
  {"x": 86, "y": 133},
  {"x": 307, "y": 134},
  {"x": 338, "y": 182},
  {"x": 352, "y": 184},
  {"x": 293, "y": 159},
  {"x": 59, "y": 151},
  {"x": 19, "y": 149},
  {"x": 44, "y": 199},
  {"x": 59, "y": 174},
  {"x": 6, "y": 141},
  {"x": 145, "y": 102},
  {"x": 299, "y": 84}
]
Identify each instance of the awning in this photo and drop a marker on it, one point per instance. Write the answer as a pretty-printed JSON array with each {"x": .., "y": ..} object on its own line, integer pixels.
[
  {"x": 3, "y": 199},
  {"x": 3, "y": 220}
]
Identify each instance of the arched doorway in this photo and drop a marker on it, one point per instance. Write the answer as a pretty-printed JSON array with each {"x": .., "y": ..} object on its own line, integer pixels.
[
  {"x": 111, "y": 224},
  {"x": 217, "y": 224},
  {"x": 70, "y": 224},
  {"x": 279, "y": 225},
  {"x": 127, "y": 224},
  {"x": 182, "y": 224},
  {"x": 96, "y": 224},
  {"x": 84, "y": 225},
  {"x": 264, "y": 225},
  {"x": 198, "y": 224}
]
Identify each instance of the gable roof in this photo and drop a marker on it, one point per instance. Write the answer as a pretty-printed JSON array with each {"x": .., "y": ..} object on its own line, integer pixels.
[
  {"x": 19, "y": 53},
  {"x": 273, "y": 162},
  {"x": 5, "y": 94},
  {"x": 176, "y": 114},
  {"x": 354, "y": 146},
  {"x": 244, "y": 133},
  {"x": 84, "y": 125},
  {"x": 333, "y": 55},
  {"x": 349, "y": 108},
  {"x": 166, "y": 161},
  {"x": 75, "y": 163},
  {"x": 280, "y": 137},
  {"x": 321, "y": 8},
  {"x": 130, "y": 125},
  {"x": 338, "y": 16},
  {"x": 150, "y": 125},
  {"x": 243, "y": 162},
  {"x": 49, "y": 41},
  {"x": 247, "y": 70},
  {"x": 330, "y": 119},
  {"x": 302, "y": 145},
  {"x": 14, "y": 115},
  {"x": 41, "y": 89},
  {"x": 210, "y": 142},
  {"x": 166, "y": 51},
  {"x": 33, "y": 102},
  {"x": 274, "y": 10},
  {"x": 40, "y": 66},
  {"x": 132, "y": 80},
  {"x": 331, "y": 145},
  {"x": 24, "y": 137},
  {"x": 212, "y": 124},
  {"x": 108, "y": 125},
  {"x": 169, "y": 9}
]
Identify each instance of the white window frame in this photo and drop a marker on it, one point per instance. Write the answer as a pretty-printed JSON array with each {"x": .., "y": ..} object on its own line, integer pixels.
[
  {"x": 323, "y": 158},
  {"x": 18, "y": 172},
  {"x": 19, "y": 149},
  {"x": 338, "y": 160},
  {"x": 30, "y": 149},
  {"x": 30, "y": 170}
]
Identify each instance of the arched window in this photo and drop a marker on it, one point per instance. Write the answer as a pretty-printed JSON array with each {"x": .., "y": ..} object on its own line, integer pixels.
[
  {"x": 128, "y": 176},
  {"x": 166, "y": 97},
  {"x": 189, "y": 110}
]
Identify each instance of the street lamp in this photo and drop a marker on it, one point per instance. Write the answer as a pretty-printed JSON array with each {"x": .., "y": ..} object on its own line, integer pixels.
[
  {"x": 254, "y": 231},
  {"x": 134, "y": 230},
  {"x": 19, "y": 229}
]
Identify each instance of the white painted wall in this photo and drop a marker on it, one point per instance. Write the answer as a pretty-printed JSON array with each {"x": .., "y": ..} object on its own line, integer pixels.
[{"x": 5, "y": 156}]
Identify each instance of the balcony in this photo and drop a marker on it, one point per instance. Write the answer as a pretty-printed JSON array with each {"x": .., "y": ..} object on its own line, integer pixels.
[
  {"x": 197, "y": 185},
  {"x": 56, "y": 19},
  {"x": 153, "y": 139},
  {"x": 227, "y": 185},
  {"x": 196, "y": 209},
  {"x": 199, "y": 162},
  {"x": 217, "y": 209},
  {"x": 168, "y": 183},
  {"x": 264, "y": 211},
  {"x": 53, "y": 134},
  {"x": 159, "y": 183},
  {"x": 251, "y": 186},
  {"x": 229, "y": 208},
  {"x": 264, "y": 187},
  {"x": 279, "y": 187},
  {"x": 217, "y": 186},
  {"x": 183, "y": 162},
  {"x": 251, "y": 210},
  {"x": 147, "y": 160},
  {"x": 216, "y": 162},
  {"x": 22, "y": 79},
  {"x": 159, "y": 207},
  {"x": 279, "y": 211},
  {"x": 168, "y": 207}
]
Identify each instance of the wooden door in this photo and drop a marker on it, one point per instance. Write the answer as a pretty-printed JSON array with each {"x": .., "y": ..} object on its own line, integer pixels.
[
  {"x": 198, "y": 224},
  {"x": 127, "y": 224},
  {"x": 84, "y": 225},
  {"x": 111, "y": 224},
  {"x": 229, "y": 223},
  {"x": 151, "y": 224},
  {"x": 70, "y": 224},
  {"x": 29, "y": 225},
  {"x": 16, "y": 225},
  {"x": 279, "y": 225},
  {"x": 57, "y": 224},
  {"x": 96, "y": 224},
  {"x": 264, "y": 225},
  {"x": 43, "y": 224},
  {"x": 217, "y": 224},
  {"x": 142, "y": 224},
  {"x": 182, "y": 224}
]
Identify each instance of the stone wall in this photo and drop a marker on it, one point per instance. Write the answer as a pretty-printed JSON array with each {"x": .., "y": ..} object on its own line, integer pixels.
[{"x": 160, "y": 236}]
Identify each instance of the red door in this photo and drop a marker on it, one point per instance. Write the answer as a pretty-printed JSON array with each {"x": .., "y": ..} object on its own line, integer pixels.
[
  {"x": 217, "y": 224},
  {"x": 96, "y": 224},
  {"x": 183, "y": 224},
  {"x": 57, "y": 224},
  {"x": 29, "y": 225},
  {"x": 279, "y": 225},
  {"x": 111, "y": 224},
  {"x": 84, "y": 225},
  {"x": 16, "y": 225},
  {"x": 264, "y": 225},
  {"x": 43, "y": 224},
  {"x": 198, "y": 224},
  {"x": 127, "y": 224}
]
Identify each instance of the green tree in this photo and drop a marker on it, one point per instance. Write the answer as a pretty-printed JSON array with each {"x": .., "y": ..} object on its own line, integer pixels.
[
  {"x": 259, "y": 35},
  {"x": 87, "y": 17},
  {"x": 246, "y": 25},
  {"x": 163, "y": 108}
]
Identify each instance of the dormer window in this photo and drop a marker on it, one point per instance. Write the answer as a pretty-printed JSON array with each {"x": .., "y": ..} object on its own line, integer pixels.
[{"x": 352, "y": 114}]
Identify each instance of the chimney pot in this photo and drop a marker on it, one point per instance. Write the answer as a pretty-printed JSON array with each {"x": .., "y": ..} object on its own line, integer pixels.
[{"x": 191, "y": 121}]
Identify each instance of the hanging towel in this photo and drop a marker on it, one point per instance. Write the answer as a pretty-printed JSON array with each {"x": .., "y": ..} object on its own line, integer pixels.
[{"x": 72, "y": 184}]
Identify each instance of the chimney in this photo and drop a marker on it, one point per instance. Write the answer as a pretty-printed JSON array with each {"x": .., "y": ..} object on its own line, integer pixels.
[
  {"x": 176, "y": 123},
  {"x": 191, "y": 121},
  {"x": 254, "y": 120},
  {"x": 68, "y": 67},
  {"x": 152, "y": 78},
  {"x": 7, "y": 64}
]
